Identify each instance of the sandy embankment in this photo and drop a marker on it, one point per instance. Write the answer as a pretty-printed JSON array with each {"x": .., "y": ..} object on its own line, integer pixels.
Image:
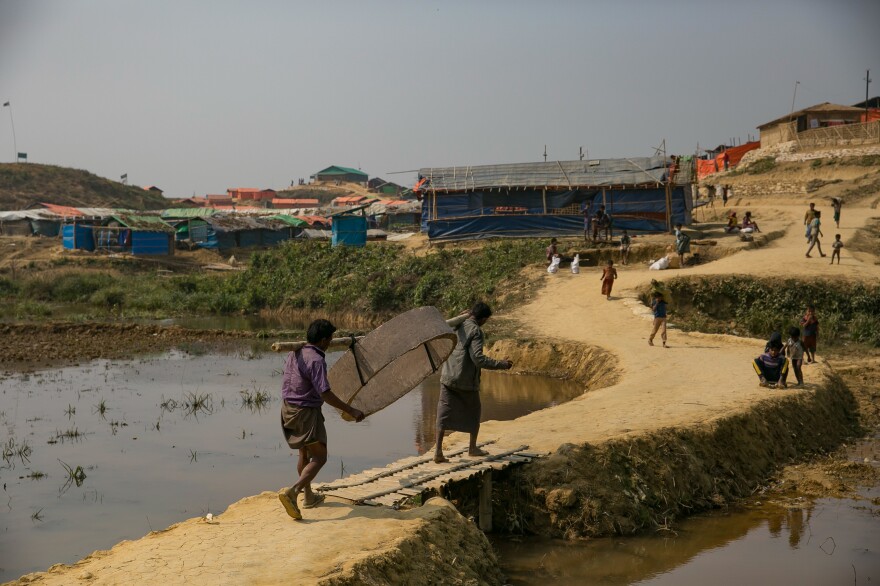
[{"x": 701, "y": 386}]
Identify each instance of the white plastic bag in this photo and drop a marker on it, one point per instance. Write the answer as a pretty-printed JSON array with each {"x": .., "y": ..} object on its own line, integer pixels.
[
  {"x": 576, "y": 264},
  {"x": 554, "y": 265},
  {"x": 660, "y": 265}
]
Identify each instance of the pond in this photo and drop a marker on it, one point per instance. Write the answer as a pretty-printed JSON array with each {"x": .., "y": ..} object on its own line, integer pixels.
[
  {"x": 793, "y": 540},
  {"x": 110, "y": 450}
]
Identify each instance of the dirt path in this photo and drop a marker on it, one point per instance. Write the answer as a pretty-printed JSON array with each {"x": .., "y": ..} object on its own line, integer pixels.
[{"x": 697, "y": 379}]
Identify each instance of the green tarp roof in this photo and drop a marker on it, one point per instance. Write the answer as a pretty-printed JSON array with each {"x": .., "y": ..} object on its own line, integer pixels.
[
  {"x": 291, "y": 220},
  {"x": 337, "y": 170}
]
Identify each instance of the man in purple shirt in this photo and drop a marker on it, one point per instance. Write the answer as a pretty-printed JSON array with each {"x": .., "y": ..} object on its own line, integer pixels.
[{"x": 303, "y": 390}]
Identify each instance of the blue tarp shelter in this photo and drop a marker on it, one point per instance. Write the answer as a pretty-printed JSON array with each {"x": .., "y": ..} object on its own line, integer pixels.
[
  {"x": 349, "y": 230},
  {"x": 551, "y": 199},
  {"x": 77, "y": 237},
  {"x": 234, "y": 231},
  {"x": 140, "y": 235}
]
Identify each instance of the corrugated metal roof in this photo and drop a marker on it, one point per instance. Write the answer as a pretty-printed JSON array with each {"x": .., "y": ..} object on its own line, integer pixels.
[
  {"x": 142, "y": 223},
  {"x": 561, "y": 174},
  {"x": 313, "y": 220},
  {"x": 305, "y": 202},
  {"x": 350, "y": 198},
  {"x": 188, "y": 212},
  {"x": 827, "y": 107},
  {"x": 233, "y": 223},
  {"x": 63, "y": 211},
  {"x": 14, "y": 216}
]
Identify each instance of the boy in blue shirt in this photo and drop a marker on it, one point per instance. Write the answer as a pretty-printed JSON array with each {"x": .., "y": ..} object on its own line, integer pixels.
[
  {"x": 772, "y": 366},
  {"x": 658, "y": 307}
]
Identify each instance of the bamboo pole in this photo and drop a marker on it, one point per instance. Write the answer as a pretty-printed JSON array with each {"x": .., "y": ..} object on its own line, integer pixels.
[{"x": 345, "y": 343}]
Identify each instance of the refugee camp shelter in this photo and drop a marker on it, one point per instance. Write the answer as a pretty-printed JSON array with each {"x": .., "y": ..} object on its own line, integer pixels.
[
  {"x": 396, "y": 214},
  {"x": 29, "y": 223},
  {"x": 189, "y": 223},
  {"x": 822, "y": 115},
  {"x": 381, "y": 186},
  {"x": 349, "y": 201},
  {"x": 294, "y": 203},
  {"x": 139, "y": 234},
  {"x": 336, "y": 173},
  {"x": 227, "y": 231},
  {"x": 552, "y": 198},
  {"x": 78, "y": 236},
  {"x": 349, "y": 228}
]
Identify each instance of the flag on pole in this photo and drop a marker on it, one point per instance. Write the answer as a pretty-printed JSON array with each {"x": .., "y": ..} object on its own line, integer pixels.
[
  {"x": 5, "y": 104},
  {"x": 124, "y": 176}
]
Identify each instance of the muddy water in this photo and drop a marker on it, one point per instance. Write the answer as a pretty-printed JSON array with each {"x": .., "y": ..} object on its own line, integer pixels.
[
  {"x": 797, "y": 541},
  {"x": 150, "y": 461}
]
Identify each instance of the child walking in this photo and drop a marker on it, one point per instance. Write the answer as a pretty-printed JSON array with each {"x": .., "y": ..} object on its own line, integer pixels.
[
  {"x": 609, "y": 273},
  {"x": 815, "y": 233},
  {"x": 625, "y": 242},
  {"x": 658, "y": 307},
  {"x": 794, "y": 349},
  {"x": 835, "y": 248},
  {"x": 810, "y": 323}
]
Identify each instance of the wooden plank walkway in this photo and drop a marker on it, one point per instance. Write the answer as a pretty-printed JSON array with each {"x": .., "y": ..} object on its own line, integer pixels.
[{"x": 405, "y": 479}]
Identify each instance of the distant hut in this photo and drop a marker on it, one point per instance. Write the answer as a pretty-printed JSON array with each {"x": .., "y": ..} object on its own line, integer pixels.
[
  {"x": 140, "y": 235},
  {"x": 336, "y": 173}
]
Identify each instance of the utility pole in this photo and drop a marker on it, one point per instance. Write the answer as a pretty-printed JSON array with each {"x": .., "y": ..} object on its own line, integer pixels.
[
  {"x": 867, "y": 84},
  {"x": 11, "y": 121},
  {"x": 545, "y": 153},
  {"x": 581, "y": 153}
]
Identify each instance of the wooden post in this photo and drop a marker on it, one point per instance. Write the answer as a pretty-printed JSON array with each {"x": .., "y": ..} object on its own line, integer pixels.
[
  {"x": 544, "y": 197},
  {"x": 486, "y": 502}
]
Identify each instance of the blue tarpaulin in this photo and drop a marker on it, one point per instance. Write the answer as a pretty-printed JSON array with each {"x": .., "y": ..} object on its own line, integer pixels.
[
  {"x": 349, "y": 230},
  {"x": 77, "y": 237},
  {"x": 485, "y": 214}
]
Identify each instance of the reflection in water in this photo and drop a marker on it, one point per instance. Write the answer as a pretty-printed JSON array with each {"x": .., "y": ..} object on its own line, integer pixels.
[
  {"x": 178, "y": 436},
  {"x": 822, "y": 542},
  {"x": 504, "y": 397}
]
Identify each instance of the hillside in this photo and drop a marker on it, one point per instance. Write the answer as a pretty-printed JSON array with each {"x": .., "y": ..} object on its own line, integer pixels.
[
  {"x": 324, "y": 193},
  {"x": 24, "y": 184},
  {"x": 817, "y": 175}
]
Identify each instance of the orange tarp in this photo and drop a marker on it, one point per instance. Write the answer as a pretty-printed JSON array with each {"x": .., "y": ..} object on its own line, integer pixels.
[
  {"x": 735, "y": 155},
  {"x": 705, "y": 168}
]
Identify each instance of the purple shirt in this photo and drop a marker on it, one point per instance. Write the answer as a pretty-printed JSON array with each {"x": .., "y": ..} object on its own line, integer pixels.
[{"x": 305, "y": 377}]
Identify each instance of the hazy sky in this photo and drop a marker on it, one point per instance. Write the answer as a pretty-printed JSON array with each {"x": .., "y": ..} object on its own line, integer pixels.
[{"x": 198, "y": 96}]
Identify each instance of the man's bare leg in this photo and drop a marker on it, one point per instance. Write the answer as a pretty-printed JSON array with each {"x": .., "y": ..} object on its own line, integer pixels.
[
  {"x": 473, "y": 450},
  {"x": 439, "y": 458},
  {"x": 311, "y": 459}
]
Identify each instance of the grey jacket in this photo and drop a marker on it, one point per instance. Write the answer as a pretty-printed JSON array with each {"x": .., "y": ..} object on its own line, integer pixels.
[{"x": 462, "y": 371}]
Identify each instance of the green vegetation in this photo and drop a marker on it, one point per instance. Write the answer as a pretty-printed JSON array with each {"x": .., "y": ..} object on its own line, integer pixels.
[
  {"x": 756, "y": 307},
  {"x": 298, "y": 276},
  {"x": 761, "y": 166},
  {"x": 377, "y": 279}
]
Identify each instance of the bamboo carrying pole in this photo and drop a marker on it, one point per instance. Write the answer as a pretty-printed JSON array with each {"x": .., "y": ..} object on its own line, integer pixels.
[{"x": 345, "y": 343}]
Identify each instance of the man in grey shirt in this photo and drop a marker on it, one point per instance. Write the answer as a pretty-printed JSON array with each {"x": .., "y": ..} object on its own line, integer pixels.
[{"x": 459, "y": 407}]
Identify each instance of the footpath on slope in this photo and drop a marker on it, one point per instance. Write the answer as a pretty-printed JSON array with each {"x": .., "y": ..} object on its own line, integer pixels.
[{"x": 699, "y": 378}]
